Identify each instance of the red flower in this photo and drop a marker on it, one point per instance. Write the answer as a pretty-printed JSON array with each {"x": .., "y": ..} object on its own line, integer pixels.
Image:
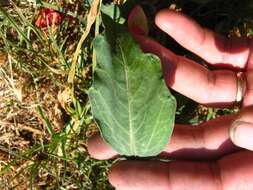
[{"x": 48, "y": 17}]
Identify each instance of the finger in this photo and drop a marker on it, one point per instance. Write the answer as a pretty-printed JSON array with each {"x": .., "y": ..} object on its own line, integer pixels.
[
  {"x": 212, "y": 47},
  {"x": 99, "y": 149},
  {"x": 207, "y": 141},
  {"x": 157, "y": 175},
  {"x": 228, "y": 173},
  {"x": 241, "y": 132},
  {"x": 137, "y": 21},
  {"x": 215, "y": 88}
]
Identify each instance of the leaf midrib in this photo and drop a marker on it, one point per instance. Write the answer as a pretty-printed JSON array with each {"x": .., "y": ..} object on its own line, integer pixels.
[{"x": 131, "y": 137}]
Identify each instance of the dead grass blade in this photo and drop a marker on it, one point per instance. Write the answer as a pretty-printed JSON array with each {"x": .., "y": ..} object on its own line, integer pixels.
[{"x": 90, "y": 20}]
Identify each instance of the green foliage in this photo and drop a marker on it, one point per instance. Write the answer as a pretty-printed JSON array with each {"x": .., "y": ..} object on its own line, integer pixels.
[{"x": 129, "y": 99}]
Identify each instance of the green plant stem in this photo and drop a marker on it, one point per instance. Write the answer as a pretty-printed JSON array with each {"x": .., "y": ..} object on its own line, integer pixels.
[{"x": 94, "y": 59}]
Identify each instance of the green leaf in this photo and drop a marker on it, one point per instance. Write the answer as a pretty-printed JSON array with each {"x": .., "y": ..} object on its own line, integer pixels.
[
  {"x": 111, "y": 10},
  {"x": 129, "y": 99}
]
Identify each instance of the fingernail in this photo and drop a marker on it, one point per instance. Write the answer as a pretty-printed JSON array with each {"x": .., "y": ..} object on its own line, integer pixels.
[
  {"x": 241, "y": 134},
  {"x": 137, "y": 21}
]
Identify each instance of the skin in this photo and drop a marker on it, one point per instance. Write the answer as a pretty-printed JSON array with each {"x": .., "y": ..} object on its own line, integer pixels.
[{"x": 212, "y": 156}]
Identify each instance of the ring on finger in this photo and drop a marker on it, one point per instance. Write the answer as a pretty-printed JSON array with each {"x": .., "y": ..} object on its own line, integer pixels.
[{"x": 240, "y": 88}]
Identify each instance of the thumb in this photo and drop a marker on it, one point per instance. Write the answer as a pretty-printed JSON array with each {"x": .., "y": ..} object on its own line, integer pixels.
[{"x": 241, "y": 131}]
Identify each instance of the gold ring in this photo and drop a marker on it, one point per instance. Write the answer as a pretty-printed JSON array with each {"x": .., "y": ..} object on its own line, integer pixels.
[{"x": 240, "y": 89}]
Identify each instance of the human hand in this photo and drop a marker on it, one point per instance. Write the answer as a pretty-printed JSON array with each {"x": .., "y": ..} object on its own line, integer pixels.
[{"x": 223, "y": 165}]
